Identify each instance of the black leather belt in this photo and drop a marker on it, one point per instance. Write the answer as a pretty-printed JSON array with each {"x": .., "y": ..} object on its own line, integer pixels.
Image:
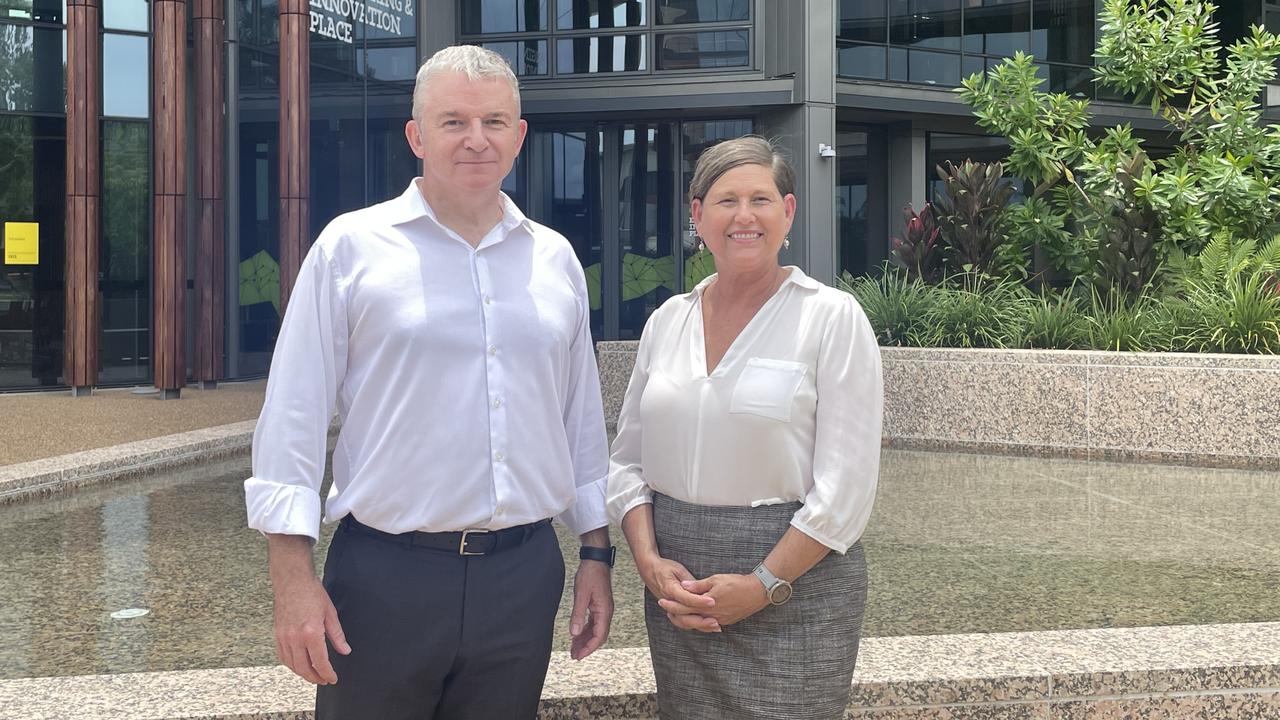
[{"x": 465, "y": 542}]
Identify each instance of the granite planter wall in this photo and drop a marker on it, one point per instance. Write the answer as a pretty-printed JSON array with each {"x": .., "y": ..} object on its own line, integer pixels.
[{"x": 1219, "y": 410}]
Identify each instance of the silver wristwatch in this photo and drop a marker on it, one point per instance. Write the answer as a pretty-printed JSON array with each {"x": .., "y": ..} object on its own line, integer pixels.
[{"x": 775, "y": 588}]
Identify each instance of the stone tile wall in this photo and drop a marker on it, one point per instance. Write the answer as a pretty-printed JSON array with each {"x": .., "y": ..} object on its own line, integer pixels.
[{"x": 1219, "y": 410}]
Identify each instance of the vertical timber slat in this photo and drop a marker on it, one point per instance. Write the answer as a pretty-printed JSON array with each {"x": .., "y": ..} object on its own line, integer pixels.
[
  {"x": 84, "y": 111},
  {"x": 295, "y": 141},
  {"x": 169, "y": 70},
  {"x": 210, "y": 72}
]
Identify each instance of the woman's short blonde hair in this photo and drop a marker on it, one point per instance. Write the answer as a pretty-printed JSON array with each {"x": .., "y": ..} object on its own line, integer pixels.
[{"x": 746, "y": 150}]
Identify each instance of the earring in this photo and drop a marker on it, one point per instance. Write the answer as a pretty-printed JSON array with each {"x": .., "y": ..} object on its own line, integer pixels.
[
  {"x": 786, "y": 242},
  {"x": 701, "y": 245}
]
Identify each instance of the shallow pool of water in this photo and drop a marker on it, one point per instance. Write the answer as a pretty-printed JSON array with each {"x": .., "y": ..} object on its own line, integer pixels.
[{"x": 957, "y": 543}]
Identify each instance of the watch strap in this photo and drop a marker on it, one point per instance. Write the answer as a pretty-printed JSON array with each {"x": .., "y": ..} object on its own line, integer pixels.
[{"x": 599, "y": 554}]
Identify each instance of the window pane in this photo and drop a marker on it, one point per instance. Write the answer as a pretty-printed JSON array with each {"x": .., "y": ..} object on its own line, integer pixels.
[
  {"x": 997, "y": 27},
  {"x": 526, "y": 57},
  {"x": 391, "y": 63},
  {"x": 672, "y": 12},
  {"x": 125, "y": 91},
  {"x": 1076, "y": 82},
  {"x": 925, "y": 23},
  {"x": 31, "y": 296},
  {"x": 933, "y": 68},
  {"x": 585, "y": 14},
  {"x": 125, "y": 257},
  {"x": 125, "y": 15},
  {"x": 864, "y": 61},
  {"x": 39, "y": 11},
  {"x": 608, "y": 53},
  {"x": 1064, "y": 31},
  {"x": 481, "y": 17},
  {"x": 389, "y": 23},
  {"x": 864, "y": 20},
  {"x": 32, "y": 69},
  {"x": 728, "y": 48},
  {"x": 646, "y": 222}
]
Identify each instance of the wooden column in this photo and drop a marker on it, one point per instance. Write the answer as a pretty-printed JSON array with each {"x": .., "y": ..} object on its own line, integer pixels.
[
  {"x": 295, "y": 141},
  {"x": 168, "y": 252},
  {"x": 210, "y": 34},
  {"x": 84, "y": 194}
]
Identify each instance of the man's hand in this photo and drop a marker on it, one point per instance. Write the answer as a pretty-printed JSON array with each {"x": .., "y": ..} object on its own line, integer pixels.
[
  {"x": 304, "y": 614},
  {"x": 736, "y": 597},
  {"x": 592, "y": 608}
]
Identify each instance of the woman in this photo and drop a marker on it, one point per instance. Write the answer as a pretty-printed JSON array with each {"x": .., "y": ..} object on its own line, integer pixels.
[{"x": 745, "y": 463}]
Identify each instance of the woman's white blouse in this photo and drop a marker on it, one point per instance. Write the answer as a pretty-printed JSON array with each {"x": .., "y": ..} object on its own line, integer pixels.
[{"x": 792, "y": 412}]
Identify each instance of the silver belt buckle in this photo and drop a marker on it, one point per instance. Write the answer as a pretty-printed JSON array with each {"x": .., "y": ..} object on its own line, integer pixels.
[{"x": 462, "y": 546}]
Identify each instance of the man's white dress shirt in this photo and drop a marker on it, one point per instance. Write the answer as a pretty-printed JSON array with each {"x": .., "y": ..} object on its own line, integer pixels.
[
  {"x": 465, "y": 380},
  {"x": 792, "y": 412}
]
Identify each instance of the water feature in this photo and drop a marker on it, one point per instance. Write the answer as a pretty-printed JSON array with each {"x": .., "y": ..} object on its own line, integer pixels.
[{"x": 957, "y": 543}]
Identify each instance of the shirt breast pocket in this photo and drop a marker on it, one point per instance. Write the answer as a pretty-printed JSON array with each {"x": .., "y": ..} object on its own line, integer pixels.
[{"x": 767, "y": 388}]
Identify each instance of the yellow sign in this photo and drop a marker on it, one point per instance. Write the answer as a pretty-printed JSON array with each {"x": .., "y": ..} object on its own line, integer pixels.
[{"x": 21, "y": 243}]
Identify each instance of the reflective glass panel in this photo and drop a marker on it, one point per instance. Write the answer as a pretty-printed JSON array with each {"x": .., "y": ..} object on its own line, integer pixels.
[
  {"x": 383, "y": 21},
  {"x": 258, "y": 21},
  {"x": 125, "y": 258},
  {"x": 125, "y": 14},
  {"x": 925, "y": 23},
  {"x": 571, "y": 196},
  {"x": 587, "y": 14},
  {"x": 864, "y": 20},
  {"x": 997, "y": 27},
  {"x": 258, "y": 296},
  {"x": 929, "y": 68},
  {"x": 718, "y": 49},
  {"x": 600, "y": 54},
  {"x": 1064, "y": 31},
  {"x": 32, "y": 295},
  {"x": 674, "y": 12},
  {"x": 125, "y": 77},
  {"x": 526, "y": 57},
  {"x": 391, "y": 63},
  {"x": 32, "y": 69},
  {"x": 481, "y": 17},
  {"x": 698, "y": 136},
  {"x": 852, "y": 189},
  {"x": 1076, "y": 82},
  {"x": 864, "y": 61},
  {"x": 50, "y": 11},
  {"x": 646, "y": 222}
]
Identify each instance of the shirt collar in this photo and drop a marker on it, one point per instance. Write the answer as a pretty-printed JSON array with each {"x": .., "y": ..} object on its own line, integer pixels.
[
  {"x": 795, "y": 277},
  {"x": 411, "y": 205}
]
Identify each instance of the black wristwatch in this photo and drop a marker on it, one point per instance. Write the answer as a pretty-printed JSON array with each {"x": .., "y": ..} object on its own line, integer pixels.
[{"x": 604, "y": 555}]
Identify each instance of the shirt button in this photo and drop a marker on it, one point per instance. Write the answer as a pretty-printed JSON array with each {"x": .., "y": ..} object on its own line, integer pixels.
[
  {"x": 497, "y": 402},
  {"x": 493, "y": 349},
  {"x": 488, "y": 300},
  {"x": 499, "y": 457}
]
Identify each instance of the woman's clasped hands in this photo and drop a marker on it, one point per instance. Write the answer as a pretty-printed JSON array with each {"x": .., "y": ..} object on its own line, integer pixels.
[{"x": 706, "y": 605}]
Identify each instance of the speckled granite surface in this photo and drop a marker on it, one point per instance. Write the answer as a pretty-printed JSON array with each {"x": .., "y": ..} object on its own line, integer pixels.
[
  {"x": 1180, "y": 408},
  {"x": 1210, "y": 672},
  {"x": 23, "y": 481}
]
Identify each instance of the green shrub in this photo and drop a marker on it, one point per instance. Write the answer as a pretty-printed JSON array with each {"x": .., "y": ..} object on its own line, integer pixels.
[
  {"x": 1241, "y": 317},
  {"x": 896, "y": 306},
  {"x": 1054, "y": 321},
  {"x": 977, "y": 312}
]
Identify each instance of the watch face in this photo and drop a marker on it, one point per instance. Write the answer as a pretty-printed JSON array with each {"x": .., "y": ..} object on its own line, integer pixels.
[{"x": 781, "y": 593}]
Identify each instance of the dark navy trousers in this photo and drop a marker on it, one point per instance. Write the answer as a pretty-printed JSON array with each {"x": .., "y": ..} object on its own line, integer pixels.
[{"x": 436, "y": 635}]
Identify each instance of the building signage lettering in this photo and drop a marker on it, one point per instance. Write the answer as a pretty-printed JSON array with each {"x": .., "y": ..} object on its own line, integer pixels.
[{"x": 337, "y": 18}]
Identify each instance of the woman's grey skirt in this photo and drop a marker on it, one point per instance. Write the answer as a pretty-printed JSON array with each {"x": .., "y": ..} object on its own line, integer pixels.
[{"x": 792, "y": 661}]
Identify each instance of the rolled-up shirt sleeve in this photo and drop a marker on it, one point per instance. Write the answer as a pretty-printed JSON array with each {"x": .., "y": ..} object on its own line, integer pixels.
[
  {"x": 584, "y": 424},
  {"x": 627, "y": 486},
  {"x": 849, "y": 417},
  {"x": 307, "y": 370}
]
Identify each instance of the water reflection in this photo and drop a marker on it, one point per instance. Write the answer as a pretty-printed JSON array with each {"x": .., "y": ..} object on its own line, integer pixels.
[{"x": 957, "y": 543}]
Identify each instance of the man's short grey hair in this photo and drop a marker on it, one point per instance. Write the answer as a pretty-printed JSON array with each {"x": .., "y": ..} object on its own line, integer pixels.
[
  {"x": 475, "y": 62},
  {"x": 720, "y": 158}
]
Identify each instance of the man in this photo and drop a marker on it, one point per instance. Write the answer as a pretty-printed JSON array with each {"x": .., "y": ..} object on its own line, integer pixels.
[{"x": 451, "y": 335}]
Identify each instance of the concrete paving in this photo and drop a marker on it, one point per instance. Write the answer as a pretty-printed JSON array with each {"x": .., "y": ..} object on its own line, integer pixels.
[{"x": 44, "y": 425}]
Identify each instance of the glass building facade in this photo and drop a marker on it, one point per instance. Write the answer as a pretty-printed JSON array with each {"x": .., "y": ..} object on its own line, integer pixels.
[{"x": 621, "y": 97}]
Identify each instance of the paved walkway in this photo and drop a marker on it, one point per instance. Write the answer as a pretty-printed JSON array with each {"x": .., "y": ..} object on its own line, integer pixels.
[{"x": 41, "y": 425}]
